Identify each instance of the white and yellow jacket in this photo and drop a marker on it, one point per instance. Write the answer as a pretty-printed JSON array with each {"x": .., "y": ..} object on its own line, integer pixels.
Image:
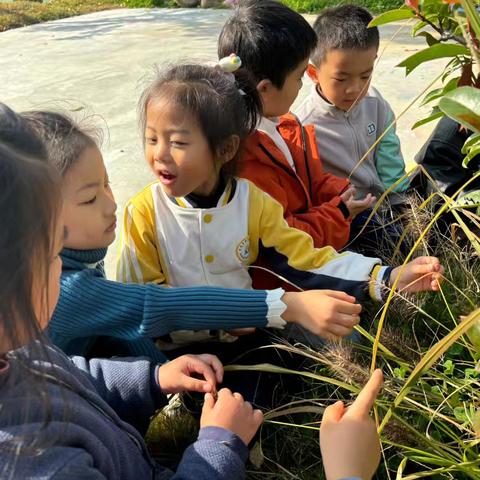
[{"x": 167, "y": 241}]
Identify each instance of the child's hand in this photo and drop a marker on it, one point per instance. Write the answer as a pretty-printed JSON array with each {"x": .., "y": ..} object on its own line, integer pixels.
[
  {"x": 178, "y": 375},
  {"x": 232, "y": 412},
  {"x": 348, "y": 437},
  {"x": 356, "y": 206},
  {"x": 327, "y": 313},
  {"x": 421, "y": 274}
]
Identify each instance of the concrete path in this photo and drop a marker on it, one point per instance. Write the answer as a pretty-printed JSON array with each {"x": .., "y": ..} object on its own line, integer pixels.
[{"x": 98, "y": 64}]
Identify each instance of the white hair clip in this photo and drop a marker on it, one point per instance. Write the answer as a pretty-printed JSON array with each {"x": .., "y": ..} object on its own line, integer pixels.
[{"x": 231, "y": 63}]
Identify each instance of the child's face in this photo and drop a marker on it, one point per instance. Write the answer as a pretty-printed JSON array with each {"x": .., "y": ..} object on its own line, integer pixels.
[
  {"x": 344, "y": 76},
  {"x": 178, "y": 152},
  {"x": 89, "y": 205},
  {"x": 277, "y": 101}
]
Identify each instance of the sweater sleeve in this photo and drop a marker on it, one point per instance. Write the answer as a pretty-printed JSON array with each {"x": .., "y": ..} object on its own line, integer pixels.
[
  {"x": 128, "y": 385},
  {"x": 291, "y": 254},
  {"x": 130, "y": 311},
  {"x": 138, "y": 257},
  {"x": 216, "y": 455},
  {"x": 389, "y": 159}
]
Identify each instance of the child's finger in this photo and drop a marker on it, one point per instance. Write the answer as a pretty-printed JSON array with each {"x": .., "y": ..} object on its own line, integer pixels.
[
  {"x": 208, "y": 403},
  {"x": 349, "y": 308},
  {"x": 366, "y": 398},
  {"x": 340, "y": 330},
  {"x": 215, "y": 363},
  {"x": 333, "y": 413},
  {"x": 257, "y": 417},
  {"x": 196, "y": 365},
  {"x": 425, "y": 260},
  {"x": 340, "y": 295},
  {"x": 345, "y": 320},
  {"x": 191, "y": 384}
]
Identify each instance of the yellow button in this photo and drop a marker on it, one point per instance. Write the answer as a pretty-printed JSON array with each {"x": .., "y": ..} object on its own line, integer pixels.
[
  {"x": 209, "y": 258},
  {"x": 207, "y": 218}
]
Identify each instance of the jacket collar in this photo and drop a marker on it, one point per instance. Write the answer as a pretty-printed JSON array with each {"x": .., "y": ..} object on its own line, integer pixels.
[
  {"x": 219, "y": 198},
  {"x": 326, "y": 108}
]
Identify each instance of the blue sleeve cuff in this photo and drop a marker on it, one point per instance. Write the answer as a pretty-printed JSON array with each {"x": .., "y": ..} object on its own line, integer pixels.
[
  {"x": 158, "y": 397},
  {"x": 227, "y": 438}
]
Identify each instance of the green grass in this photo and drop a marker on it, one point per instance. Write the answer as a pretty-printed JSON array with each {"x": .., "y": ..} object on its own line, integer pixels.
[
  {"x": 314, "y": 6},
  {"x": 21, "y": 13}
]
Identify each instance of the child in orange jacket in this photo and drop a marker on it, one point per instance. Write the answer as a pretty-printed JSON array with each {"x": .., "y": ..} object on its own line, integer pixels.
[{"x": 281, "y": 156}]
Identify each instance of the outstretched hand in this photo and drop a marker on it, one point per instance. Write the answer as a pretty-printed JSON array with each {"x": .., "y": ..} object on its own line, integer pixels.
[
  {"x": 419, "y": 275},
  {"x": 179, "y": 375},
  {"x": 328, "y": 313},
  {"x": 356, "y": 206},
  {"x": 349, "y": 440}
]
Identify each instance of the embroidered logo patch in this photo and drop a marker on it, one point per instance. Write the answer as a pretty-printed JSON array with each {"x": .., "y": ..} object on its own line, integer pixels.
[
  {"x": 371, "y": 128},
  {"x": 243, "y": 250}
]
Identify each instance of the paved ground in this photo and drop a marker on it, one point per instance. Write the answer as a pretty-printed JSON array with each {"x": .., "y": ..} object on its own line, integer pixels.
[{"x": 98, "y": 63}]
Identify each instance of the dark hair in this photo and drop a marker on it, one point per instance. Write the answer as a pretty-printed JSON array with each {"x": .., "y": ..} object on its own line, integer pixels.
[
  {"x": 344, "y": 27},
  {"x": 15, "y": 132},
  {"x": 64, "y": 139},
  {"x": 30, "y": 201},
  {"x": 270, "y": 38},
  {"x": 223, "y": 104}
]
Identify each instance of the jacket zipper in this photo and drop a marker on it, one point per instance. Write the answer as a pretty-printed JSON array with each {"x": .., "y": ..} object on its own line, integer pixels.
[{"x": 354, "y": 135}]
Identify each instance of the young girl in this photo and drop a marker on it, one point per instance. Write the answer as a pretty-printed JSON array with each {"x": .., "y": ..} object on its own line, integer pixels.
[
  {"x": 199, "y": 225},
  {"x": 95, "y": 315},
  {"x": 65, "y": 419}
]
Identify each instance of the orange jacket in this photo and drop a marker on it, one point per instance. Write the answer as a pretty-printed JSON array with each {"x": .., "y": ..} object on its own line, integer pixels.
[{"x": 310, "y": 197}]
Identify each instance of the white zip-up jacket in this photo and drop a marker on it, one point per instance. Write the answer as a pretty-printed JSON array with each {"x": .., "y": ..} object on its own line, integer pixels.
[{"x": 343, "y": 138}]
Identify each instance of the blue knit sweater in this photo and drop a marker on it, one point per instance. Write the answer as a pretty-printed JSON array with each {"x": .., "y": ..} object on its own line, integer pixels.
[
  {"x": 91, "y": 306},
  {"x": 92, "y": 410}
]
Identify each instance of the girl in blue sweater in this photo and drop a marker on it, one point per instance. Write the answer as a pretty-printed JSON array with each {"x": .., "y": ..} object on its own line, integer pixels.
[
  {"x": 102, "y": 317},
  {"x": 64, "y": 418}
]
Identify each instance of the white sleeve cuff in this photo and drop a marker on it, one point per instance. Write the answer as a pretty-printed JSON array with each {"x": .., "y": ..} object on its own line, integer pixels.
[
  {"x": 377, "y": 284},
  {"x": 276, "y": 308}
]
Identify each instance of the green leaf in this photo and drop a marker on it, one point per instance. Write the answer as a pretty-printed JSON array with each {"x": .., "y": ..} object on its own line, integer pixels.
[
  {"x": 448, "y": 367},
  {"x": 417, "y": 27},
  {"x": 472, "y": 15},
  {"x": 431, "y": 40},
  {"x": 472, "y": 153},
  {"x": 392, "y": 16},
  {"x": 460, "y": 414},
  {"x": 470, "y": 373},
  {"x": 440, "y": 50},
  {"x": 470, "y": 142},
  {"x": 440, "y": 92},
  {"x": 435, "y": 115},
  {"x": 463, "y": 105},
  {"x": 400, "y": 372}
]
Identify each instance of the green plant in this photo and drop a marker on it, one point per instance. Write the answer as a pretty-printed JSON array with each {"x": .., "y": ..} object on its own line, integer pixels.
[{"x": 451, "y": 30}]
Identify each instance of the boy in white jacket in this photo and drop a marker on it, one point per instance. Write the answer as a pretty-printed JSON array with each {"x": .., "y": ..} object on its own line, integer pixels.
[{"x": 348, "y": 114}]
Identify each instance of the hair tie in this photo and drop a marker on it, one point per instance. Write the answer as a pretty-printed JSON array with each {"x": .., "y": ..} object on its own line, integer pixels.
[{"x": 231, "y": 63}]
